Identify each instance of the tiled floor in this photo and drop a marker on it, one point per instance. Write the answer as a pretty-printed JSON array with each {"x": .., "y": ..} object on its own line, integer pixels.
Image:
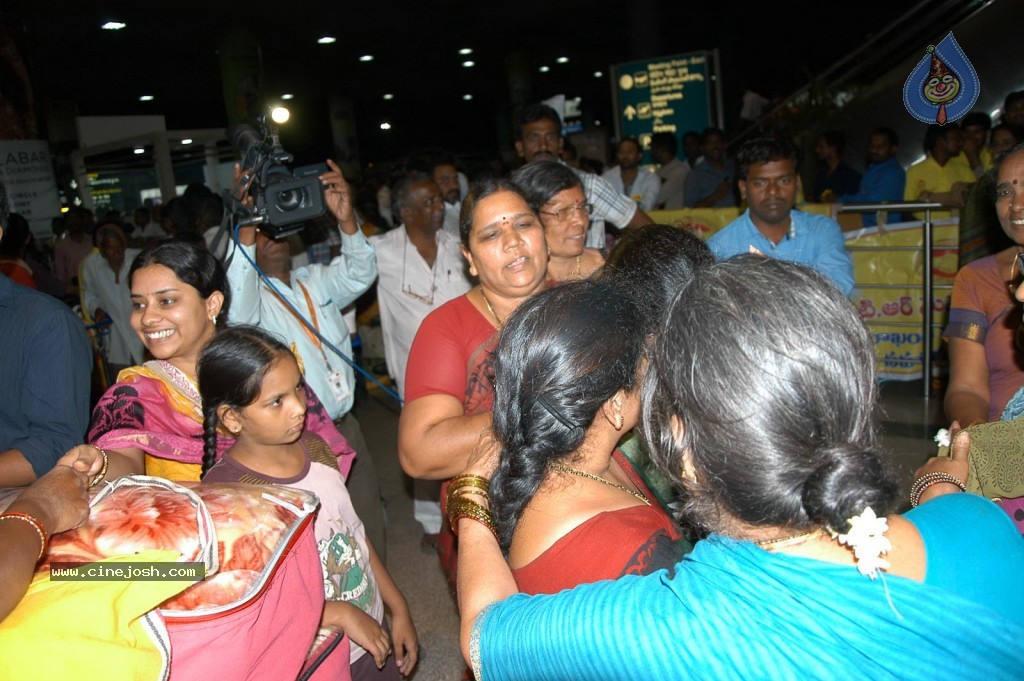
[{"x": 908, "y": 422}]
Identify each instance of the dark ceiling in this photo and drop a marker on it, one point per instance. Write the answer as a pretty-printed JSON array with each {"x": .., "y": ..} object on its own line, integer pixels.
[{"x": 172, "y": 51}]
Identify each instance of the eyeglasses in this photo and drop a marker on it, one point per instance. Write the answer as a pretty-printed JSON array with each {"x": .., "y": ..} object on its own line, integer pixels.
[{"x": 565, "y": 213}]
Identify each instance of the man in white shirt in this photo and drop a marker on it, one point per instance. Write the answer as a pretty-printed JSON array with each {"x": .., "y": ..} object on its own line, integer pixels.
[
  {"x": 639, "y": 184},
  {"x": 318, "y": 293},
  {"x": 419, "y": 268},
  {"x": 671, "y": 170}
]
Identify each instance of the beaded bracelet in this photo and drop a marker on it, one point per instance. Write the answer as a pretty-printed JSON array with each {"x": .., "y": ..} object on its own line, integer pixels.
[
  {"x": 96, "y": 479},
  {"x": 929, "y": 479},
  {"x": 34, "y": 522}
]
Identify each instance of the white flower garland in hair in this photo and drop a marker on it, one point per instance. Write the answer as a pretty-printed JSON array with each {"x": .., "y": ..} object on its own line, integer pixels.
[{"x": 867, "y": 540}]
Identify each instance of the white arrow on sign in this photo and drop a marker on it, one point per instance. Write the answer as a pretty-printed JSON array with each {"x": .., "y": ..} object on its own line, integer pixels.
[{"x": 630, "y": 112}]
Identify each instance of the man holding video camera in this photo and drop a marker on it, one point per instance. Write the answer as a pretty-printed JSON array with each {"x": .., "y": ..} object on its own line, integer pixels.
[{"x": 318, "y": 293}]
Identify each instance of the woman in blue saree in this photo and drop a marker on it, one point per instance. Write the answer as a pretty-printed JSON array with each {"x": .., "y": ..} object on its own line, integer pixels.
[{"x": 807, "y": 572}]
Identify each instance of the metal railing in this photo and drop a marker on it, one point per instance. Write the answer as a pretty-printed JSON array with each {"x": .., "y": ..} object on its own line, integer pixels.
[{"x": 926, "y": 324}]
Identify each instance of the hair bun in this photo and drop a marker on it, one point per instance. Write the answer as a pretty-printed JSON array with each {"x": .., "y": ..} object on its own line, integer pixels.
[{"x": 850, "y": 478}]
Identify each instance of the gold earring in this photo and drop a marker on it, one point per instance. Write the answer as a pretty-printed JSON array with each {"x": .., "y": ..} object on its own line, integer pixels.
[{"x": 619, "y": 422}]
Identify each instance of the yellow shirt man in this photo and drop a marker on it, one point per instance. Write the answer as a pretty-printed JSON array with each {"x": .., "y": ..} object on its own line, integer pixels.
[{"x": 929, "y": 177}]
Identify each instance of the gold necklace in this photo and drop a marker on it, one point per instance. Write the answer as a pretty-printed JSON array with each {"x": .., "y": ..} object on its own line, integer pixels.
[
  {"x": 583, "y": 474},
  {"x": 792, "y": 540},
  {"x": 490, "y": 309},
  {"x": 579, "y": 269}
]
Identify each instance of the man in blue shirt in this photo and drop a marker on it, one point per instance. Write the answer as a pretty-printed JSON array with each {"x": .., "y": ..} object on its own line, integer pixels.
[
  {"x": 884, "y": 179},
  {"x": 45, "y": 370},
  {"x": 770, "y": 227},
  {"x": 709, "y": 184}
]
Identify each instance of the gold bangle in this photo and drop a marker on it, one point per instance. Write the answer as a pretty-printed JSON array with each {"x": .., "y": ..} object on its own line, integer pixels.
[
  {"x": 455, "y": 493},
  {"x": 470, "y": 509},
  {"x": 469, "y": 480},
  {"x": 98, "y": 478},
  {"x": 34, "y": 522}
]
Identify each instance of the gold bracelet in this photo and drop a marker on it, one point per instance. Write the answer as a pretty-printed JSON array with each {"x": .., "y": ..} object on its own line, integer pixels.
[
  {"x": 455, "y": 493},
  {"x": 470, "y": 509},
  {"x": 98, "y": 478},
  {"x": 482, "y": 518},
  {"x": 470, "y": 480},
  {"x": 34, "y": 522}
]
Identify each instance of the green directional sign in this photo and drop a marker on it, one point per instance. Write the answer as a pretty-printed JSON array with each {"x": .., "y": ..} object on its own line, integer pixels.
[{"x": 663, "y": 94}]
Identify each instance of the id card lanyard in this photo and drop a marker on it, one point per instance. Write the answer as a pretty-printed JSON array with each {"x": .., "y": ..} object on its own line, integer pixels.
[{"x": 313, "y": 337}]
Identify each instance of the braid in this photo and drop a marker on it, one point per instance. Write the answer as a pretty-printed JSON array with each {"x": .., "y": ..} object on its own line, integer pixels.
[{"x": 209, "y": 440}]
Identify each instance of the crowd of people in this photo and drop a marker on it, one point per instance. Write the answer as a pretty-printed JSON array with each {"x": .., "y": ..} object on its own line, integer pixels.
[{"x": 617, "y": 429}]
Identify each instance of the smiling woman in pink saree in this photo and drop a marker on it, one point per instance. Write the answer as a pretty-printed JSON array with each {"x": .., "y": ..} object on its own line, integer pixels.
[{"x": 151, "y": 419}]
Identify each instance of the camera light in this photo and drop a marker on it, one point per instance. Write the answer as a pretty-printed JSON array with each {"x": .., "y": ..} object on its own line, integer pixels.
[
  {"x": 113, "y": 26},
  {"x": 468, "y": 64},
  {"x": 466, "y": 51},
  {"x": 544, "y": 69},
  {"x": 467, "y": 97},
  {"x": 562, "y": 60},
  {"x": 187, "y": 140},
  {"x": 287, "y": 96},
  {"x": 326, "y": 40},
  {"x": 366, "y": 57},
  {"x": 146, "y": 98},
  {"x": 139, "y": 150},
  {"x": 389, "y": 96},
  {"x": 598, "y": 74},
  {"x": 280, "y": 115},
  {"x": 385, "y": 126}
]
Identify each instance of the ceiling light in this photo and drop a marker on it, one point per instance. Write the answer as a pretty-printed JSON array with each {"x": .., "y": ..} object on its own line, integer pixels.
[
  {"x": 140, "y": 150},
  {"x": 385, "y": 126},
  {"x": 326, "y": 40},
  {"x": 146, "y": 98},
  {"x": 280, "y": 114},
  {"x": 287, "y": 96},
  {"x": 467, "y": 97},
  {"x": 389, "y": 96},
  {"x": 544, "y": 69},
  {"x": 469, "y": 64},
  {"x": 113, "y": 26},
  {"x": 562, "y": 60},
  {"x": 598, "y": 74},
  {"x": 366, "y": 57},
  {"x": 466, "y": 50},
  {"x": 187, "y": 140},
  {"x": 597, "y": 123}
]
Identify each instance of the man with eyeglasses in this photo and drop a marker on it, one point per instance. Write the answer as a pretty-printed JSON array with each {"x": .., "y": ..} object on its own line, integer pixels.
[
  {"x": 538, "y": 132},
  {"x": 771, "y": 227},
  {"x": 419, "y": 269}
]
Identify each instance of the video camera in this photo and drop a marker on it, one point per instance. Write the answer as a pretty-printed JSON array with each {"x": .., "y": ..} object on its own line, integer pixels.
[{"x": 283, "y": 199}]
